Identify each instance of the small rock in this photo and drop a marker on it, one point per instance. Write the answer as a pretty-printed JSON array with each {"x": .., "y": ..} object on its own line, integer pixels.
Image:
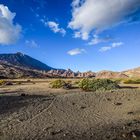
[
  {"x": 56, "y": 132},
  {"x": 108, "y": 99},
  {"x": 118, "y": 103},
  {"x": 124, "y": 135},
  {"x": 82, "y": 107},
  {"x": 129, "y": 124},
  {"x": 23, "y": 94},
  {"x": 108, "y": 137},
  {"x": 129, "y": 113},
  {"x": 135, "y": 133},
  {"x": 124, "y": 127},
  {"x": 73, "y": 103}
]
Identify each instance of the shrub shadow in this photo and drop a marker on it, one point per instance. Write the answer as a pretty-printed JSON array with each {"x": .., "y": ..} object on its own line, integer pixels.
[{"x": 13, "y": 103}]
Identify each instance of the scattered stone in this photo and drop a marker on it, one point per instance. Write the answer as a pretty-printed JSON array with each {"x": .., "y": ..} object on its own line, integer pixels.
[
  {"x": 118, "y": 103},
  {"x": 73, "y": 103},
  {"x": 134, "y": 122},
  {"x": 129, "y": 124},
  {"x": 83, "y": 107},
  {"x": 129, "y": 113},
  {"x": 23, "y": 94},
  {"x": 56, "y": 132},
  {"x": 134, "y": 134},
  {"x": 124, "y": 135},
  {"x": 108, "y": 137},
  {"x": 108, "y": 99},
  {"x": 112, "y": 91},
  {"x": 124, "y": 127}
]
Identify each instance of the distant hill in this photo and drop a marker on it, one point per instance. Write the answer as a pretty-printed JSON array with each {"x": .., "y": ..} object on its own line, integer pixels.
[
  {"x": 133, "y": 72},
  {"x": 25, "y": 61}
]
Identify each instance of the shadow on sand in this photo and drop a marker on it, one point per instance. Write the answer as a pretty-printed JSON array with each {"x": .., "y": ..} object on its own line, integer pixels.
[
  {"x": 12, "y": 103},
  {"x": 128, "y": 87}
]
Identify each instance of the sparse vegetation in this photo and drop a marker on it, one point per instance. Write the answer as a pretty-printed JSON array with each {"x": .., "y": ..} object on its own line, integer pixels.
[
  {"x": 2, "y": 82},
  {"x": 60, "y": 84},
  {"x": 132, "y": 81},
  {"x": 97, "y": 84}
]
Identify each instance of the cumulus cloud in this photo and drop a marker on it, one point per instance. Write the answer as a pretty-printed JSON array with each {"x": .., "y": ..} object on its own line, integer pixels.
[
  {"x": 98, "y": 15},
  {"x": 54, "y": 27},
  {"x": 9, "y": 32},
  {"x": 76, "y": 51},
  {"x": 96, "y": 40},
  {"x": 31, "y": 43},
  {"x": 113, "y": 45}
]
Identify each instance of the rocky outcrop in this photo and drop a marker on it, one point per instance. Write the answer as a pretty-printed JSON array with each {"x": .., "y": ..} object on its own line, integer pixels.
[
  {"x": 11, "y": 71},
  {"x": 70, "y": 74},
  {"x": 133, "y": 72},
  {"x": 88, "y": 74},
  {"x": 110, "y": 74}
]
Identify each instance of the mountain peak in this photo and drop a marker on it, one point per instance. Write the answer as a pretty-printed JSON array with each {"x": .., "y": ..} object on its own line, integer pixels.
[
  {"x": 20, "y": 54},
  {"x": 22, "y": 60}
]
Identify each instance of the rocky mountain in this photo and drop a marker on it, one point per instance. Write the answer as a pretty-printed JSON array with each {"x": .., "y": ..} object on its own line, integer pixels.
[
  {"x": 25, "y": 61},
  {"x": 19, "y": 65},
  {"x": 10, "y": 71}
]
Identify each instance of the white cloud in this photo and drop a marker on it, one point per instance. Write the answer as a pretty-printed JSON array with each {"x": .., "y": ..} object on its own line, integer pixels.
[
  {"x": 76, "y": 51},
  {"x": 113, "y": 45},
  {"x": 98, "y": 15},
  {"x": 9, "y": 32},
  {"x": 54, "y": 27},
  {"x": 104, "y": 49},
  {"x": 84, "y": 35},
  {"x": 31, "y": 43},
  {"x": 116, "y": 44},
  {"x": 96, "y": 40}
]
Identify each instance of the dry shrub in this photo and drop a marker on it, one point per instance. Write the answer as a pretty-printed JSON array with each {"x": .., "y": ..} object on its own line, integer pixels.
[
  {"x": 132, "y": 81},
  {"x": 97, "y": 84},
  {"x": 60, "y": 84}
]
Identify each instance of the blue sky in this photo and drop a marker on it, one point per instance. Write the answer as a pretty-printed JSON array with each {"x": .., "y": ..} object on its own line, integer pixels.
[{"x": 80, "y": 35}]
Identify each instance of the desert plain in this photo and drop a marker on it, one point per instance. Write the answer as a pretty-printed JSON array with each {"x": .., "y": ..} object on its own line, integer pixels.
[{"x": 34, "y": 111}]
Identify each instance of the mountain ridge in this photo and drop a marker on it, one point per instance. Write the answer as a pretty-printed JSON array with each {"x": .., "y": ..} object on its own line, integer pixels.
[{"x": 19, "y": 65}]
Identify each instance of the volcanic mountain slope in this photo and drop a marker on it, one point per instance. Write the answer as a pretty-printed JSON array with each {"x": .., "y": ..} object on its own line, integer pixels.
[
  {"x": 11, "y": 71},
  {"x": 25, "y": 61}
]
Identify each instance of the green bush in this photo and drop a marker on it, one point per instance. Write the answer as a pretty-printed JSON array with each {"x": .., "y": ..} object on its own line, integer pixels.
[
  {"x": 2, "y": 82},
  {"x": 132, "y": 81},
  {"x": 97, "y": 84},
  {"x": 61, "y": 84}
]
